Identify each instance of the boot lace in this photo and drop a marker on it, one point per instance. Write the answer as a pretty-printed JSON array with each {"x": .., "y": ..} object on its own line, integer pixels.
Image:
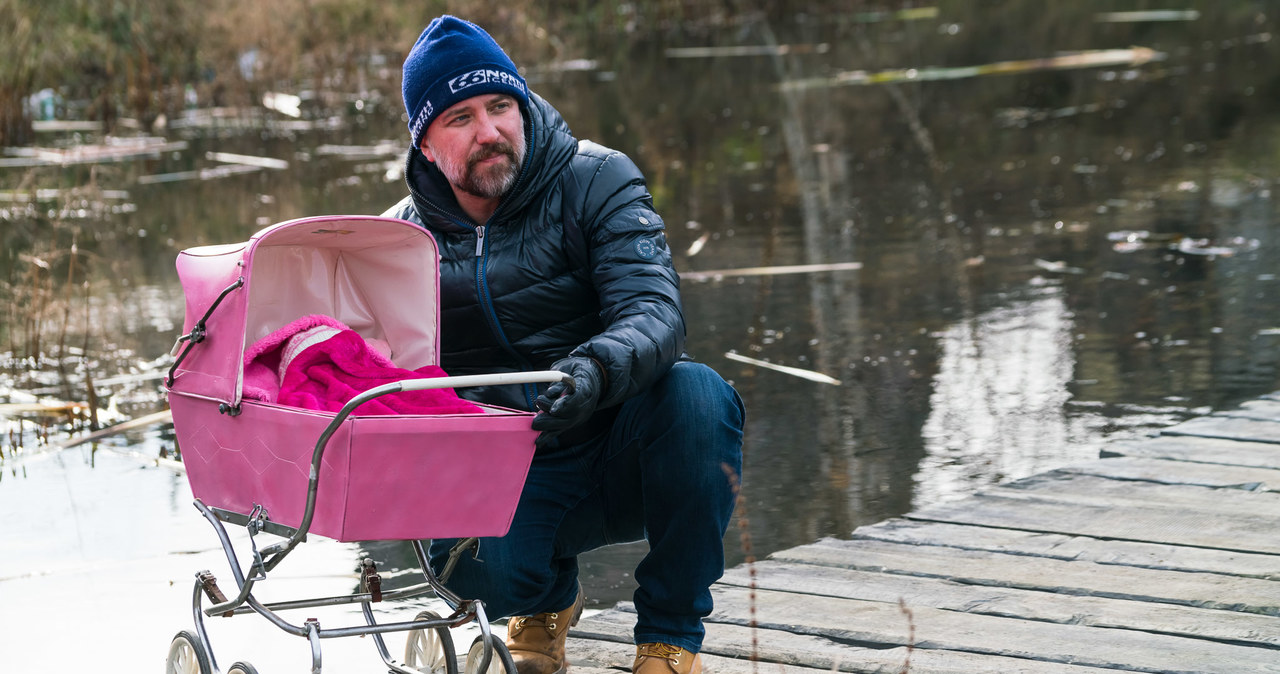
[
  {"x": 546, "y": 620},
  {"x": 664, "y": 651}
]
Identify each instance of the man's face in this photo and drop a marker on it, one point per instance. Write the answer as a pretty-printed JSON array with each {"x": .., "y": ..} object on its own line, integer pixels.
[{"x": 478, "y": 144}]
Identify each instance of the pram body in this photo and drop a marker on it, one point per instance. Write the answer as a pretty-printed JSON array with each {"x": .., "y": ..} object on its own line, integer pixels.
[{"x": 289, "y": 471}]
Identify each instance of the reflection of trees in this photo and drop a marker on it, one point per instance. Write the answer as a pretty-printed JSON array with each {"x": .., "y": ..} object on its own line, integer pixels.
[{"x": 944, "y": 190}]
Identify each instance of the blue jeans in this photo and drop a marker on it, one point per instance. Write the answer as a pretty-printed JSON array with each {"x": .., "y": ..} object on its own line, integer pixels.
[{"x": 666, "y": 470}]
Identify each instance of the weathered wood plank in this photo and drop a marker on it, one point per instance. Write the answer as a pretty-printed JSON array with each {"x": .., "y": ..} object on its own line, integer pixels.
[
  {"x": 928, "y": 628},
  {"x": 878, "y": 623},
  {"x": 1185, "y": 621},
  {"x": 1198, "y": 450},
  {"x": 1164, "y": 471},
  {"x": 1229, "y": 428},
  {"x": 604, "y": 640},
  {"x": 1262, "y": 507},
  {"x": 1242, "y": 533},
  {"x": 1069, "y": 547},
  {"x": 1228, "y": 593}
]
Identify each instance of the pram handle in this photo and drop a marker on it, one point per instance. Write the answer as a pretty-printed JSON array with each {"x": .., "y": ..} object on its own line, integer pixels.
[{"x": 466, "y": 380}]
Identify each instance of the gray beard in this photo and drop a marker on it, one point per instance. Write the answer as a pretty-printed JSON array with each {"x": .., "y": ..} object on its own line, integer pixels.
[{"x": 486, "y": 184}]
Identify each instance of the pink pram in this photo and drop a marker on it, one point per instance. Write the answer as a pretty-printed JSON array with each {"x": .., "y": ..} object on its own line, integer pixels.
[{"x": 286, "y": 471}]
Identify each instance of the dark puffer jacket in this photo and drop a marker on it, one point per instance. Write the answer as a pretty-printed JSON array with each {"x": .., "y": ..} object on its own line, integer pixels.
[{"x": 573, "y": 261}]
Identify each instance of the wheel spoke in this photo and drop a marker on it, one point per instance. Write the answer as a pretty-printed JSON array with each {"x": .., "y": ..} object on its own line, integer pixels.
[{"x": 430, "y": 650}]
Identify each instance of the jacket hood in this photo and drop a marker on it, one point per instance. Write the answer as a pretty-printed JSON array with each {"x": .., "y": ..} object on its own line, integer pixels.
[{"x": 550, "y": 147}]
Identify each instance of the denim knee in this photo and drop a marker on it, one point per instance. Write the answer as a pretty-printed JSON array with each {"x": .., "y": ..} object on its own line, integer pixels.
[{"x": 696, "y": 406}]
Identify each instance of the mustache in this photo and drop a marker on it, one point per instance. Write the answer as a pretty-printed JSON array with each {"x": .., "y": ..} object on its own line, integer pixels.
[{"x": 500, "y": 148}]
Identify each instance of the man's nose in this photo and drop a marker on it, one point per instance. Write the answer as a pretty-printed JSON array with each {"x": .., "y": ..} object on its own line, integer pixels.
[{"x": 486, "y": 130}]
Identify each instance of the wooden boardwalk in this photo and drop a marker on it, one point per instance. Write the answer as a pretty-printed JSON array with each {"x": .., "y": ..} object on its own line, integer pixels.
[{"x": 1161, "y": 556}]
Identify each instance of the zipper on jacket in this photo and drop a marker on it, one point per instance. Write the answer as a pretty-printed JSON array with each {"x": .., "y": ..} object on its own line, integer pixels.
[{"x": 479, "y": 240}]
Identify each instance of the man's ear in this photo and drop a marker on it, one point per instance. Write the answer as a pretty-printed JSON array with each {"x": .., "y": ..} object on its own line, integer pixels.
[{"x": 426, "y": 152}]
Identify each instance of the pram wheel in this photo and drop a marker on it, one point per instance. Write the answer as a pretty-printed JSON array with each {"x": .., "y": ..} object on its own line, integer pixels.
[
  {"x": 500, "y": 663},
  {"x": 242, "y": 668},
  {"x": 430, "y": 650},
  {"x": 187, "y": 656}
]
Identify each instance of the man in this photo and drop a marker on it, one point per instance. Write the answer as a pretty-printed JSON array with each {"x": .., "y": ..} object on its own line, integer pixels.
[{"x": 553, "y": 258}]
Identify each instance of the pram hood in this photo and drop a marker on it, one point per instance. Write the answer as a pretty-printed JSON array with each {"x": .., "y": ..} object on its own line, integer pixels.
[{"x": 379, "y": 276}]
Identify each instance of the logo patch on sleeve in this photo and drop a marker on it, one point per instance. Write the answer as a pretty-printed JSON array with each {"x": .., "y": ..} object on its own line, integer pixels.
[{"x": 646, "y": 248}]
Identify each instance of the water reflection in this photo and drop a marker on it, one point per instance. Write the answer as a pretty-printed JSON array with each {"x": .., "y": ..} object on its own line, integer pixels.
[
  {"x": 998, "y": 406},
  {"x": 1045, "y": 258}
]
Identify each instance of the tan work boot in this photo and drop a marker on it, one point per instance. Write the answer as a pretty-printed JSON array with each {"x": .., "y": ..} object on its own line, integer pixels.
[
  {"x": 665, "y": 659},
  {"x": 536, "y": 642}
]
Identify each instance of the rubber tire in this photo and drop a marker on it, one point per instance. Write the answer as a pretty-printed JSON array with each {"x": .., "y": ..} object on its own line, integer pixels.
[
  {"x": 242, "y": 668},
  {"x": 186, "y": 651},
  {"x": 444, "y": 647},
  {"x": 500, "y": 656}
]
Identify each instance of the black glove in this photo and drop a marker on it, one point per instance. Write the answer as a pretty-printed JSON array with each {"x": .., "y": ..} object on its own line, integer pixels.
[{"x": 562, "y": 411}]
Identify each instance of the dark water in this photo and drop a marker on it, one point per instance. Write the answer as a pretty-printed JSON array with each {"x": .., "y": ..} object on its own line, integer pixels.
[{"x": 1054, "y": 253}]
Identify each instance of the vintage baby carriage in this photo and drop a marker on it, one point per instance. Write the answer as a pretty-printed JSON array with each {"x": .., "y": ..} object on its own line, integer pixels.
[{"x": 426, "y": 468}]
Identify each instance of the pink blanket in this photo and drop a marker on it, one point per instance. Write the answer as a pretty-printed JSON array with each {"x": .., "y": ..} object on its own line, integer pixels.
[{"x": 318, "y": 363}]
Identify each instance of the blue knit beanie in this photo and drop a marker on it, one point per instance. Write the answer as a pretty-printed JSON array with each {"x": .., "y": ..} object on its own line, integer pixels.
[{"x": 454, "y": 60}]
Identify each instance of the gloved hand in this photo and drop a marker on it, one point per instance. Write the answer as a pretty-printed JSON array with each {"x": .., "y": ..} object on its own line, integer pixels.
[{"x": 561, "y": 411}]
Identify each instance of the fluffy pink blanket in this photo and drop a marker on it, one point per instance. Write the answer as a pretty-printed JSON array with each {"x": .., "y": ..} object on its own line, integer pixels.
[{"x": 318, "y": 363}]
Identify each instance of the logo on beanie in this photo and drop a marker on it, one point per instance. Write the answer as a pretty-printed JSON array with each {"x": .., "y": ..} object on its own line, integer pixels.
[
  {"x": 485, "y": 76},
  {"x": 423, "y": 115}
]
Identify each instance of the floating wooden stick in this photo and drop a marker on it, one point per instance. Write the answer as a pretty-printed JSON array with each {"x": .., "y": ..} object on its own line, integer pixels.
[
  {"x": 770, "y": 271},
  {"x": 1134, "y": 57},
  {"x": 162, "y": 417},
  {"x": 247, "y": 160},
  {"x": 793, "y": 371}
]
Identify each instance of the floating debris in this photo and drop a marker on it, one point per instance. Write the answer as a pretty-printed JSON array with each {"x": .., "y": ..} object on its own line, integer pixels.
[
  {"x": 1056, "y": 267},
  {"x": 746, "y": 50},
  {"x": 770, "y": 271},
  {"x": 1147, "y": 15},
  {"x": 794, "y": 371},
  {"x": 202, "y": 174},
  {"x": 1136, "y": 56},
  {"x": 1009, "y": 117},
  {"x": 246, "y": 119},
  {"x": 1129, "y": 235},
  {"x": 113, "y": 150},
  {"x": 57, "y": 125},
  {"x": 247, "y": 160},
  {"x": 1191, "y": 246},
  {"x": 568, "y": 66},
  {"x": 696, "y": 246},
  {"x": 912, "y": 14},
  {"x": 1132, "y": 241},
  {"x": 55, "y": 194},
  {"x": 286, "y": 104},
  {"x": 1131, "y": 246},
  {"x": 46, "y": 408},
  {"x": 385, "y": 148},
  {"x": 156, "y": 418}
]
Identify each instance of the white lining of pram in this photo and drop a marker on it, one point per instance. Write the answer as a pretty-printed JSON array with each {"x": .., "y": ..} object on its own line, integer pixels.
[{"x": 363, "y": 290}]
